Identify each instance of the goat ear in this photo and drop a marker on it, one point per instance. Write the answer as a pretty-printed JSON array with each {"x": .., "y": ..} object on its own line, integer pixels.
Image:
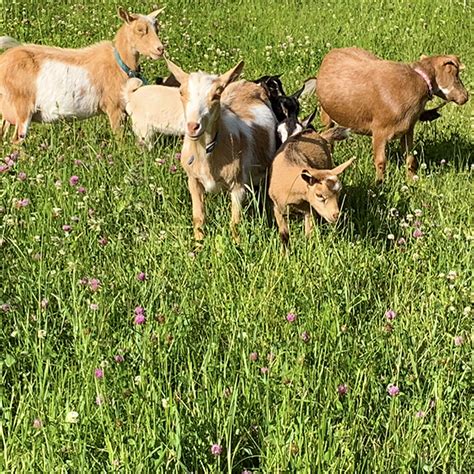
[
  {"x": 309, "y": 178},
  {"x": 261, "y": 80},
  {"x": 335, "y": 134},
  {"x": 296, "y": 95},
  {"x": 231, "y": 75},
  {"x": 339, "y": 169},
  {"x": 154, "y": 14},
  {"x": 126, "y": 16},
  {"x": 307, "y": 121},
  {"x": 309, "y": 86},
  {"x": 177, "y": 72}
]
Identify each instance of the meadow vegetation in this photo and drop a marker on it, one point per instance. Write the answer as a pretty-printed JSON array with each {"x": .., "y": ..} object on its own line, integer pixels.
[{"x": 124, "y": 348}]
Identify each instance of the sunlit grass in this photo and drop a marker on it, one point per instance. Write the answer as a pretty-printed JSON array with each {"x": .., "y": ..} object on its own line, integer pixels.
[{"x": 216, "y": 360}]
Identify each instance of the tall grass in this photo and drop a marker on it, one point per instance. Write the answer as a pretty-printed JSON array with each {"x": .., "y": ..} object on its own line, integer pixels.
[{"x": 217, "y": 362}]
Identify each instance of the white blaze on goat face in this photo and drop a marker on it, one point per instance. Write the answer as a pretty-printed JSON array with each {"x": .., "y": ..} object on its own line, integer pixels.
[
  {"x": 199, "y": 106},
  {"x": 64, "y": 91}
]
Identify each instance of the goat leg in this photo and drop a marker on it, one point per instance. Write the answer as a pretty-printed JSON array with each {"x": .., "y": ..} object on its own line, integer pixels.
[
  {"x": 379, "y": 142},
  {"x": 237, "y": 196},
  {"x": 407, "y": 146},
  {"x": 197, "y": 197},
  {"x": 282, "y": 225}
]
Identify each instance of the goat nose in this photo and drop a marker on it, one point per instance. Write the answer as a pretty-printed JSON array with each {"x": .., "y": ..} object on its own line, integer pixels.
[
  {"x": 160, "y": 49},
  {"x": 193, "y": 127},
  {"x": 335, "y": 216}
]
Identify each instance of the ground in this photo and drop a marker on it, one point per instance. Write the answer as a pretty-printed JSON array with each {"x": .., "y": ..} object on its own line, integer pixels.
[{"x": 125, "y": 348}]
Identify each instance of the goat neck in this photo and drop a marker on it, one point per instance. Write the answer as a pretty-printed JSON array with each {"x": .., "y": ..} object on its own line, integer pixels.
[
  {"x": 123, "y": 45},
  {"x": 426, "y": 72}
]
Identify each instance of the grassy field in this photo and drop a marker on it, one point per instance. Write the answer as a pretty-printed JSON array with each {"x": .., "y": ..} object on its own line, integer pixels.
[{"x": 248, "y": 358}]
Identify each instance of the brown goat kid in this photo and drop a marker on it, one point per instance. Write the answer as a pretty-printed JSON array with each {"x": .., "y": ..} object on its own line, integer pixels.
[
  {"x": 384, "y": 99},
  {"x": 46, "y": 84},
  {"x": 303, "y": 177}
]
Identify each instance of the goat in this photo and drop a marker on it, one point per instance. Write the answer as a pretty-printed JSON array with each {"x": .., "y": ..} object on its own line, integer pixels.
[
  {"x": 229, "y": 140},
  {"x": 46, "y": 84},
  {"x": 286, "y": 108},
  {"x": 303, "y": 177},
  {"x": 153, "y": 109},
  {"x": 385, "y": 99},
  {"x": 157, "y": 108}
]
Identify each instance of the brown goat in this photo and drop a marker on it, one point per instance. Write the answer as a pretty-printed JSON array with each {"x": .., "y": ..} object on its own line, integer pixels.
[
  {"x": 384, "y": 99},
  {"x": 303, "y": 176},
  {"x": 46, "y": 84}
]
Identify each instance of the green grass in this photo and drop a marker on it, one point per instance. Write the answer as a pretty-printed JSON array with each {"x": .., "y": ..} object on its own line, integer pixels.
[{"x": 187, "y": 380}]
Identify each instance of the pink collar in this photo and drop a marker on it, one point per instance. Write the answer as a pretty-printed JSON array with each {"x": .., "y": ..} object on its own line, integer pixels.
[{"x": 426, "y": 79}]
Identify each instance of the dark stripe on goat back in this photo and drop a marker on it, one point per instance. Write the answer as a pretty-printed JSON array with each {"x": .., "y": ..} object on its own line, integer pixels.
[{"x": 308, "y": 149}]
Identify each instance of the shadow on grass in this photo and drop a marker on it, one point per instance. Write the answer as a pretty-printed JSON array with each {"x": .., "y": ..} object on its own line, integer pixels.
[{"x": 456, "y": 150}]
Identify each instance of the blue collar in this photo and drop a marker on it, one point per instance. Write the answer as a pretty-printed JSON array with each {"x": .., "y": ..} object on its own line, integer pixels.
[{"x": 129, "y": 72}]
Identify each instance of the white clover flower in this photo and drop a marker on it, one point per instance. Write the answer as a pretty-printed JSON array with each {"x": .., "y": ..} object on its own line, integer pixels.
[{"x": 72, "y": 417}]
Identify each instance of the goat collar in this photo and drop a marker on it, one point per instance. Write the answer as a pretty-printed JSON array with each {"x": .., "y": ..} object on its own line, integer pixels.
[
  {"x": 129, "y": 72},
  {"x": 425, "y": 77},
  {"x": 211, "y": 145}
]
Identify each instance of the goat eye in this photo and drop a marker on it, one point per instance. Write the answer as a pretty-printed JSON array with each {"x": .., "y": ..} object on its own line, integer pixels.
[{"x": 320, "y": 197}]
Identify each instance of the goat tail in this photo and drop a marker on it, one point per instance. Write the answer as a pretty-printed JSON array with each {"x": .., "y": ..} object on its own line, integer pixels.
[
  {"x": 7, "y": 42},
  {"x": 130, "y": 87}
]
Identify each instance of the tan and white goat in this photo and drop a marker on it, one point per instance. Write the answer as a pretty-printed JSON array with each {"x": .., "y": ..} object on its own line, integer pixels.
[
  {"x": 229, "y": 140},
  {"x": 153, "y": 109},
  {"x": 303, "y": 177},
  {"x": 46, "y": 84}
]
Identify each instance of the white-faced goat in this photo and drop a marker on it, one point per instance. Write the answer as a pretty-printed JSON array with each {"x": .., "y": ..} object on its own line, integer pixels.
[
  {"x": 46, "y": 84},
  {"x": 229, "y": 140},
  {"x": 303, "y": 177}
]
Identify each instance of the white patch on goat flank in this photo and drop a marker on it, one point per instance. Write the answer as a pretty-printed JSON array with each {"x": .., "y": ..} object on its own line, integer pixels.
[
  {"x": 265, "y": 118},
  {"x": 199, "y": 86},
  {"x": 64, "y": 91}
]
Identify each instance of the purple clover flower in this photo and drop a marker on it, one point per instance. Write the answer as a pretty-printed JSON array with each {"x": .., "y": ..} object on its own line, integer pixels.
[
  {"x": 291, "y": 317},
  {"x": 74, "y": 180},
  {"x": 342, "y": 389},
  {"x": 417, "y": 233},
  {"x": 390, "y": 314},
  {"x": 393, "y": 390},
  {"x": 94, "y": 284},
  {"x": 216, "y": 450},
  {"x": 253, "y": 356},
  {"x": 305, "y": 337},
  {"x": 99, "y": 373}
]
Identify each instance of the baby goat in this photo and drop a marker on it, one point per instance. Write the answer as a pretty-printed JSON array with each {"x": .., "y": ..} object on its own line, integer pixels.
[
  {"x": 229, "y": 140},
  {"x": 152, "y": 110},
  {"x": 385, "y": 99},
  {"x": 286, "y": 108},
  {"x": 303, "y": 176},
  {"x": 46, "y": 84}
]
